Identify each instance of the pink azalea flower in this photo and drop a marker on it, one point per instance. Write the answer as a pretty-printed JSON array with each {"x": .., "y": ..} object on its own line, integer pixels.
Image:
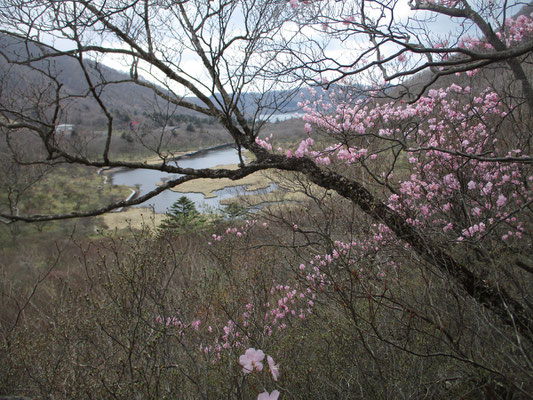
[
  {"x": 252, "y": 359},
  {"x": 266, "y": 396},
  {"x": 273, "y": 368},
  {"x": 294, "y": 4},
  {"x": 196, "y": 324},
  {"x": 501, "y": 200}
]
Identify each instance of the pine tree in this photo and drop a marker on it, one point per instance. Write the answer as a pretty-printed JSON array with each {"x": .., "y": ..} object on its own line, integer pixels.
[{"x": 182, "y": 216}]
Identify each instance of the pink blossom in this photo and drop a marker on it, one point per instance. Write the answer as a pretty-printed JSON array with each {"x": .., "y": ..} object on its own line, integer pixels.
[
  {"x": 348, "y": 20},
  {"x": 196, "y": 324},
  {"x": 323, "y": 160},
  {"x": 252, "y": 359},
  {"x": 268, "y": 396},
  {"x": 487, "y": 189},
  {"x": 501, "y": 200},
  {"x": 294, "y": 4},
  {"x": 263, "y": 143},
  {"x": 274, "y": 369},
  {"x": 437, "y": 176}
]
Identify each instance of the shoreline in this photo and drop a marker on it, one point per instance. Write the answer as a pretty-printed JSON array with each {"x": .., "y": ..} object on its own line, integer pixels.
[
  {"x": 202, "y": 151},
  {"x": 131, "y": 196},
  {"x": 209, "y": 189},
  {"x": 105, "y": 171}
]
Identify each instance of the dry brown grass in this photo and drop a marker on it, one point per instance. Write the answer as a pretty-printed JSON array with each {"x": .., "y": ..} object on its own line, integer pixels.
[
  {"x": 133, "y": 218},
  {"x": 256, "y": 181}
]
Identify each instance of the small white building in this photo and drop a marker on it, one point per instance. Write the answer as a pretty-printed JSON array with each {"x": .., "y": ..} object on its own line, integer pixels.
[{"x": 65, "y": 128}]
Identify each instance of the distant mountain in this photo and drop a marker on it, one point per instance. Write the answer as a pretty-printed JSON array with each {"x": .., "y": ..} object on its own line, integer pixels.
[
  {"x": 124, "y": 99},
  {"x": 127, "y": 101}
]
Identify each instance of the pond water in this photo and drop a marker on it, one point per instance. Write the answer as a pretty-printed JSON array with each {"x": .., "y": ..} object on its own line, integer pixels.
[
  {"x": 146, "y": 180},
  {"x": 282, "y": 117}
]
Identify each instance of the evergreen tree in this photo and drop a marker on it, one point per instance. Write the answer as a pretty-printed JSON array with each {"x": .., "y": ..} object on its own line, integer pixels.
[
  {"x": 182, "y": 216},
  {"x": 234, "y": 211}
]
